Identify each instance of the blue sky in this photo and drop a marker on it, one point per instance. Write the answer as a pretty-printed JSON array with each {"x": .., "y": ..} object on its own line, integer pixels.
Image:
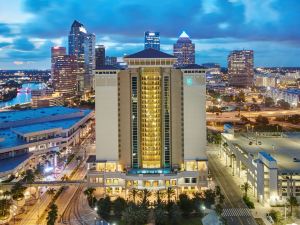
[{"x": 28, "y": 28}]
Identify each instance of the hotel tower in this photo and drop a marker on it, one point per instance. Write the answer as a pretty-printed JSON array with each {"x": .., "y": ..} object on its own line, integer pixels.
[{"x": 150, "y": 125}]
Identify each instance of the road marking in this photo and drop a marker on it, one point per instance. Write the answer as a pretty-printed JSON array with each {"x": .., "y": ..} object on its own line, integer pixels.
[{"x": 236, "y": 212}]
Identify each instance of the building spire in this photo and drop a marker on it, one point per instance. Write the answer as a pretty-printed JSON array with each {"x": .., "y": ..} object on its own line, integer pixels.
[{"x": 184, "y": 35}]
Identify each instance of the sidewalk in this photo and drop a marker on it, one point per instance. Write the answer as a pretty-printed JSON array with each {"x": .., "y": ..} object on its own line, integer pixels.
[{"x": 260, "y": 210}]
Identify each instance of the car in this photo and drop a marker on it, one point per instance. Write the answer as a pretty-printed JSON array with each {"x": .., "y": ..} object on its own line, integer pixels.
[{"x": 269, "y": 218}]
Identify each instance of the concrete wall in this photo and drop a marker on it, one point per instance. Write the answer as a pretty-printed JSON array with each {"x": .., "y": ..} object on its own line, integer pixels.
[
  {"x": 176, "y": 117},
  {"x": 106, "y": 88},
  {"x": 124, "y": 116},
  {"x": 194, "y": 101}
]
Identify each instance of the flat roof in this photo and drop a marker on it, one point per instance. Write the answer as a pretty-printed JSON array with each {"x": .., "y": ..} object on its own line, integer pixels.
[
  {"x": 282, "y": 149},
  {"x": 12, "y": 163},
  {"x": 9, "y": 135},
  {"x": 17, "y": 115}
]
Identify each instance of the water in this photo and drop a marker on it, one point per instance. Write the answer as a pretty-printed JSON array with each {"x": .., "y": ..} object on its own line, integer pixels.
[{"x": 23, "y": 95}]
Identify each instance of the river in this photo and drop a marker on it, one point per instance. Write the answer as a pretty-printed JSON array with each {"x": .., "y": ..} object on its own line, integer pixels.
[{"x": 24, "y": 94}]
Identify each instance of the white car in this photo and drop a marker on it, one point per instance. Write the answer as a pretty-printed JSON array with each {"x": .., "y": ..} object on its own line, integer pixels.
[{"x": 269, "y": 218}]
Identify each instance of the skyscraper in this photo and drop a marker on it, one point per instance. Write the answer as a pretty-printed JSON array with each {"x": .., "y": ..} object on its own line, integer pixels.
[
  {"x": 184, "y": 50},
  {"x": 56, "y": 52},
  {"x": 76, "y": 39},
  {"x": 65, "y": 72},
  {"x": 89, "y": 60},
  {"x": 240, "y": 68},
  {"x": 152, "y": 40},
  {"x": 100, "y": 56},
  {"x": 150, "y": 129},
  {"x": 82, "y": 45},
  {"x": 111, "y": 60}
]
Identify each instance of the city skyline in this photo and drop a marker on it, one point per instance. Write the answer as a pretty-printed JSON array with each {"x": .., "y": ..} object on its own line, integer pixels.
[{"x": 26, "y": 38}]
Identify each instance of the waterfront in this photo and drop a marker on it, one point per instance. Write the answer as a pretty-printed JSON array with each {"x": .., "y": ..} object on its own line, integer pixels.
[{"x": 23, "y": 96}]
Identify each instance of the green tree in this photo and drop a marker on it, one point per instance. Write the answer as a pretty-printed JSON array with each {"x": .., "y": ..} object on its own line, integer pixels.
[
  {"x": 29, "y": 176},
  {"x": 269, "y": 102},
  {"x": 51, "y": 192},
  {"x": 133, "y": 194},
  {"x": 145, "y": 195},
  {"x": 17, "y": 191},
  {"x": 119, "y": 205},
  {"x": 89, "y": 193},
  {"x": 262, "y": 120},
  {"x": 160, "y": 215},
  {"x": 245, "y": 188},
  {"x": 104, "y": 207},
  {"x": 170, "y": 194},
  {"x": 159, "y": 196},
  {"x": 209, "y": 197},
  {"x": 283, "y": 104},
  {"x": 292, "y": 201},
  {"x": 5, "y": 204},
  {"x": 174, "y": 215},
  {"x": 135, "y": 214},
  {"x": 52, "y": 215},
  {"x": 185, "y": 204}
]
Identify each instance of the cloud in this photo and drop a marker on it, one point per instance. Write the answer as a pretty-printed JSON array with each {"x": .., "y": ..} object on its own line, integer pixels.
[
  {"x": 216, "y": 26},
  {"x": 23, "y": 44},
  {"x": 18, "y": 63}
]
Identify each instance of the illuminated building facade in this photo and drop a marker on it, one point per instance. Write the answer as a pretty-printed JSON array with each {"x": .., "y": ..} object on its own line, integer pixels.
[
  {"x": 65, "y": 73},
  {"x": 240, "y": 68},
  {"x": 150, "y": 125},
  {"x": 152, "y": 40},
  {"x": 56, "y": 52},
  {"x": 184, "y": 50}
]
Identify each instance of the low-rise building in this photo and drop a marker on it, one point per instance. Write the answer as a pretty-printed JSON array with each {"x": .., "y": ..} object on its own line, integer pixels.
[
  {"x": 269, "y": 162},
  {"x": 26, "y": 134},
  {"x": 291, "y": 96}
]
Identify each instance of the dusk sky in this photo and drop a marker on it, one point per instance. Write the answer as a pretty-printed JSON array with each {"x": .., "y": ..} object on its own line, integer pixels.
[{"x": 28, "y": 28}]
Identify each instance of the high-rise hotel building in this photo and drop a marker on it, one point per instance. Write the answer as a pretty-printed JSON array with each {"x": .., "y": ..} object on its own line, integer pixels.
[{"x": 150, "y": 125}]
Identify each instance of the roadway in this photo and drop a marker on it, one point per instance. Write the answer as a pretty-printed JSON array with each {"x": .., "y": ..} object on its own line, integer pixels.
[
  {"x": 32, "y": 217},
  {"x": 233, "y": 116},
  {"x": 235, "y": 211}
]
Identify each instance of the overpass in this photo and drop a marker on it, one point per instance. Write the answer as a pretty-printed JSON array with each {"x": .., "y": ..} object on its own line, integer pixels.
[{"x": 47, "y": 183}]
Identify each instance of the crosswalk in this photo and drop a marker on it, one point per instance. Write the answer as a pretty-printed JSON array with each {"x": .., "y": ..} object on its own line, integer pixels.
[{"x": 236, "y": 212}]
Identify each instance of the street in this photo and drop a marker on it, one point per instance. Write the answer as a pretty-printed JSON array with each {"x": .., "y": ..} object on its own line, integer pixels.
[{"x": 235, "y": 211}]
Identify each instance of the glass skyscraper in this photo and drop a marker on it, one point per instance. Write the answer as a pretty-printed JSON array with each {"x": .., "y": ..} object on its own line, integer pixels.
[
  {"x": 82, "y": 45},
  {"x": 152, "y": 40},
  {"x": 184, "y": 50}
]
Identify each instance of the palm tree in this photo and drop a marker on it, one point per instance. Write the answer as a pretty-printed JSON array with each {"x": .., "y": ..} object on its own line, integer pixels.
[
  {"x": 245, "y": 187},
  {"x": 89, "y": 193},
  {"x": 170, "y": 194},
  {"x": 292, "y": 202},
  {"x": 144, "y": 195},
  {"x": 5, "y": 204},
  {"x": 51, "y": 192},
  {"x": 29, "y": 176},
  {"x": 17, "y": 191},
  {"x": 66, "y": 178},
  {"x": 159, "y": 196},
  {"x": 52, "y": 215},
  {"x": 134, "y": 193}
]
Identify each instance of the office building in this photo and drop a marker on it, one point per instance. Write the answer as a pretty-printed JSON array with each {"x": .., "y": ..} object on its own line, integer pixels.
[
  {"x": 240, "y": 68},
  {"x": 28, "y": 134},
  {"x": 56, "y": 52},
  {"x": 151, "y": 125},
  {"x": 89, "y": 60},
  {"x": 82, "y": 45},
  {"x": 100, "y": 56},
  {"x": 46, "y": 97},
  {"x": 152, "y": 40},
  {"x": 111, "y": 61},
  {"x": 184, "y": 50},
  {"x": 65, "y": 73}
]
